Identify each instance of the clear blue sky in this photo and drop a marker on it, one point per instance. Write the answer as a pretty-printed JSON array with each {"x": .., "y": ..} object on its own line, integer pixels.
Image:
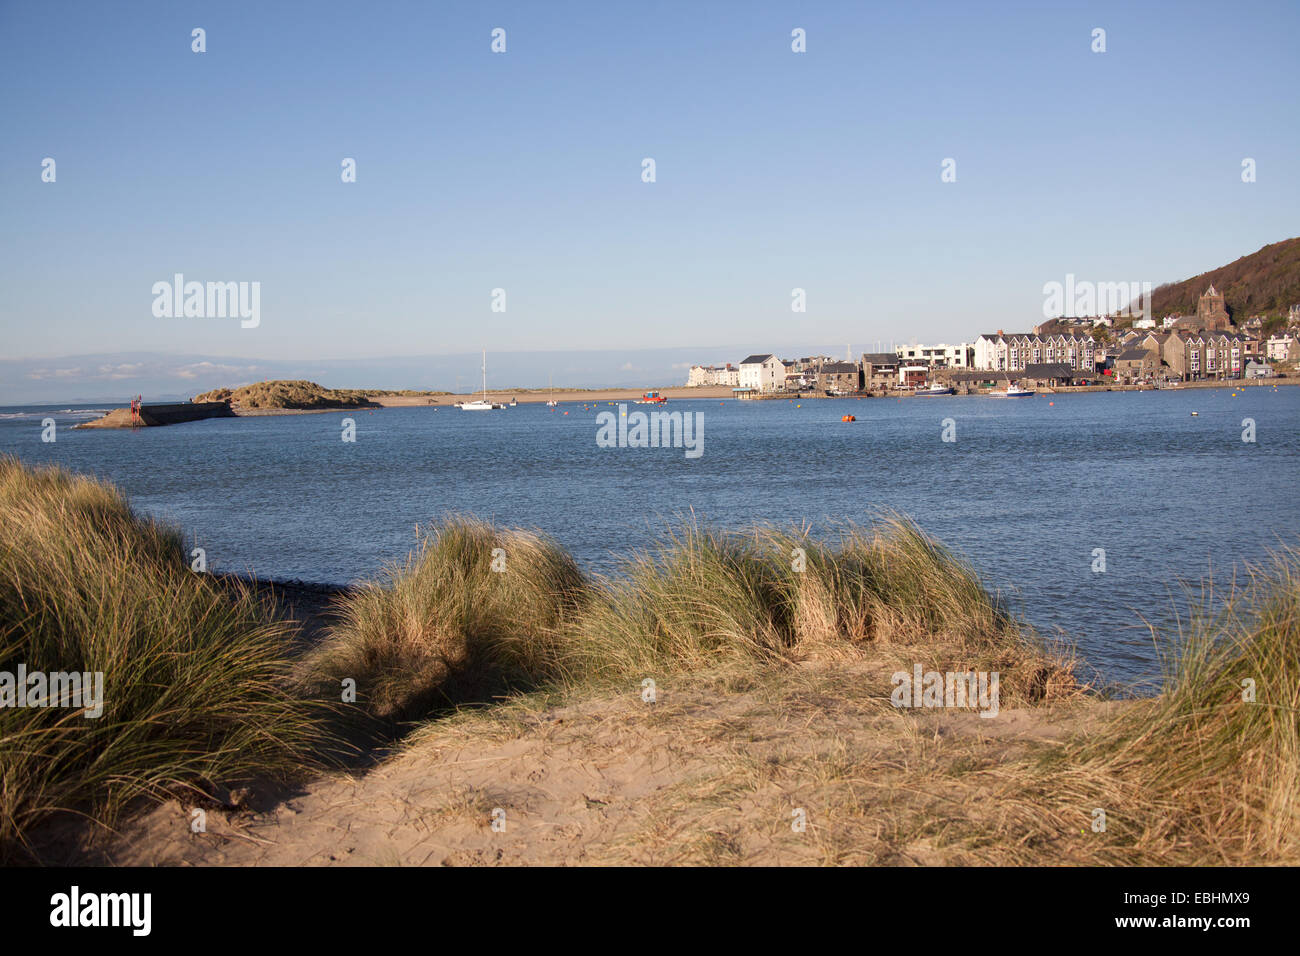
[{"x": 522, "y": 170}]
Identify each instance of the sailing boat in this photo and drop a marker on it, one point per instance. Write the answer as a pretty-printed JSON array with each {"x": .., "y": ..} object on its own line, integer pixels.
[
  {"x": 550, "y": 391},
  {"x": 482, "y": 404}
]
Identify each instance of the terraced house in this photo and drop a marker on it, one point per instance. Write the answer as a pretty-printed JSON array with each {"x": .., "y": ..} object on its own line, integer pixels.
[
  {"x": 1198, "y": 356},
  {"x": 701, "y": 375},
  {"x": 1001, "y": 352}
]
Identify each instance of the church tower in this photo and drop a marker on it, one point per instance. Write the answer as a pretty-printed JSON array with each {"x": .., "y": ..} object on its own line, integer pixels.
[{"x": 1210, "y": 311}]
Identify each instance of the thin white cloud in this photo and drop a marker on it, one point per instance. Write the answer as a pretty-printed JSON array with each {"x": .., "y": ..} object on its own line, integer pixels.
[{"x": 44, "y": 373}]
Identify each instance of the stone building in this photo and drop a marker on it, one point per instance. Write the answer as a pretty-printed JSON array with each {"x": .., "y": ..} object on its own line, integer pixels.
[
  {"x": 879, "y": 370},
  {"x": 1210, "y": 311},
  {"x": 1137, "y": 365},
  {"x": 1194, "y": 356},
  {"x": 839, "y": 377}
]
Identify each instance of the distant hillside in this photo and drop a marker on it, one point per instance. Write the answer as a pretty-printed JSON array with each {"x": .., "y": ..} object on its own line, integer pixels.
[
  {"x": 288, "y": 394},
  {"x": 1263, "y": 283}
]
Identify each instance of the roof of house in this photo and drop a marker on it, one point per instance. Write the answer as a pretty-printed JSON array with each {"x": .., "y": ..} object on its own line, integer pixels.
[
  {"x": 757, "y": 359},
  {"x": 839, "y": 368},
  {"x": 1048, "y": 370},
  {"x": 1133, "y": 355},
  {"x": 879, "y": 358},
  {"x": 974, "y": 375}
]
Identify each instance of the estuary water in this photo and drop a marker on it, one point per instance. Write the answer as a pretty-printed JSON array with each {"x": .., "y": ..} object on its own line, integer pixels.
[{"x": 1027, "y": 490}]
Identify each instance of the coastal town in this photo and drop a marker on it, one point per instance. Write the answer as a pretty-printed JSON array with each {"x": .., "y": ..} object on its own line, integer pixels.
[{"x": 1063, "y": 353}]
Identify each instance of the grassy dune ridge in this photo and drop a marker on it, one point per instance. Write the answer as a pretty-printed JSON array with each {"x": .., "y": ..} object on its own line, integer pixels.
[
  {"x": 201, "y": 688},
  {"x": 444, "y": 628},
  {"x": 195, "y": 677}
]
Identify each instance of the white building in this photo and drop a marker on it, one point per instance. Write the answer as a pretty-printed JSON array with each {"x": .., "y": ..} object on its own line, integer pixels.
[
  {"x": 1283, "y": 346},
  {"x": 937, "y": 356},
  {"x": 991, "y": 351},
  {"x": 701, "y": 375},
  {"x": 763, "y": 372}
]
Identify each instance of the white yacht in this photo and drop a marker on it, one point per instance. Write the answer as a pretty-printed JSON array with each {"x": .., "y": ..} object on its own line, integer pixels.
[{"x": 480, "y": 404}]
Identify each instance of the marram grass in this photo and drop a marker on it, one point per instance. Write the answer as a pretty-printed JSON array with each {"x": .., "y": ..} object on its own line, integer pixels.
[
  {"x": 196, "y": 686},
  {"x": 1208, "y": 771},
  {"x": 445, "y": 629}
]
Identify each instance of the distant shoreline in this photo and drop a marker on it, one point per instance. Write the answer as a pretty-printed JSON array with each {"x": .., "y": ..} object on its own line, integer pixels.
[
  {"x": 117, "y": 418},
  {"x": 567, "y": 396},
  {"x": 596, "y": 396}
]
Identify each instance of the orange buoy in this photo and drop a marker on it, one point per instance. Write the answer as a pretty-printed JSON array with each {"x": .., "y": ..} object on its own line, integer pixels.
[{"x": 848, "y": 418}]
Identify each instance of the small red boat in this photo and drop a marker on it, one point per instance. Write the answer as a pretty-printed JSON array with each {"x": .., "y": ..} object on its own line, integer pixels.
[{"x": 651, "y": 398}]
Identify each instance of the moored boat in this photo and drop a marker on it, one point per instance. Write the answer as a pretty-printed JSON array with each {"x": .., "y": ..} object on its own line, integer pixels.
[{"x": 480, "y": 404}]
